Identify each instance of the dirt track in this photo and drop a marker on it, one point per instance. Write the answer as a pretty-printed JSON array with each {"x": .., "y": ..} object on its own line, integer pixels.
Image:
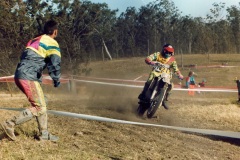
[{"x": 102, "y": 140}]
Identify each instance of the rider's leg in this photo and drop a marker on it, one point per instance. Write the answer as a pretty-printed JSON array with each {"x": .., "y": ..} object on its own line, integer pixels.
[
  {"x": 168, "y": 92},
  {"x": 142, "y": 95}
]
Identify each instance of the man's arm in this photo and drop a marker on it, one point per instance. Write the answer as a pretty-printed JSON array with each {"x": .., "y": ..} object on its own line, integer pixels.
[{"x": 54, "y": 68}]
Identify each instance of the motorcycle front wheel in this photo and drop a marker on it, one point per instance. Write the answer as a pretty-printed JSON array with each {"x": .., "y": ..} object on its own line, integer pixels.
[
  {"x": 142, "y": 109},
  {"x": 156, "y": 102}
]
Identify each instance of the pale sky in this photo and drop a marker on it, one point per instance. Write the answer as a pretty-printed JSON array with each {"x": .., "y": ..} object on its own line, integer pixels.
[{"x": 195, "y": 8}]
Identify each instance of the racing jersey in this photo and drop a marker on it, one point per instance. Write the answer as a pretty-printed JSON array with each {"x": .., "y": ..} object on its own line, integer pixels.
[
  {"x": 157, "y": 56},
  {"x": 40, "y": 52}
]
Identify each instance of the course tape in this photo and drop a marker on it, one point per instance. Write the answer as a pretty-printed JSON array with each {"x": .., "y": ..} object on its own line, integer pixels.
[
  {"x": 118, "y": 82},
  {"x": 137, "y": 86},
  {"x": 228, "y": 134}
]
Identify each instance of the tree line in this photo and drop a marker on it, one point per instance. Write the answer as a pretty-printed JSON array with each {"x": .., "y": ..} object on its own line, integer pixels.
[{"x": 92, "y": 31}]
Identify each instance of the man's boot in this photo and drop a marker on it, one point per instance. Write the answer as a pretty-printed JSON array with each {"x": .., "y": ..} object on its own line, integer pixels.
[
  {"x": 42, "y": 126},
  {"x": 8, "y": 125}
]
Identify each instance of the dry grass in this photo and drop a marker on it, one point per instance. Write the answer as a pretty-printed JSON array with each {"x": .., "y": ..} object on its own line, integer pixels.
[
  {"x": 92, "y": 140},
  {"x": 133, "y": 68}
]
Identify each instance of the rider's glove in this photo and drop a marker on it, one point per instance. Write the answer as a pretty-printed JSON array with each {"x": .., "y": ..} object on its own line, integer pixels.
[
  {"x": 155, "y": 64},
  {"x": 56, "y": 83},
  {"x": 180, "y": 76},
  {"x": 152, "y": 63}
]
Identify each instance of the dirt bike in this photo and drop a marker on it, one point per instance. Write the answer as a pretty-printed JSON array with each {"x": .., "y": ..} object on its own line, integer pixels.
[{"x": 156, "y": 92}]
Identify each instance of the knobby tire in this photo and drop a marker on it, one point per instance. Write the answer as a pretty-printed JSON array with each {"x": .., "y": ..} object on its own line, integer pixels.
[{"x": 157, "y": 101}]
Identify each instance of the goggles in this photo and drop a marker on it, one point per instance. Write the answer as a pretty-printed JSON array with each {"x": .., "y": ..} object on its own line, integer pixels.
[{"x": 169, "y": 53}]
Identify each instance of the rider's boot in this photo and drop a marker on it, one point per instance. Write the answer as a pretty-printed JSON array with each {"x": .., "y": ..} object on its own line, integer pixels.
[
  {"x": 164, "y": 103},
  {"x": 167, "y": 96},
  {"x": 43, "y": 130},
  {"x": 8, "y": 125}
]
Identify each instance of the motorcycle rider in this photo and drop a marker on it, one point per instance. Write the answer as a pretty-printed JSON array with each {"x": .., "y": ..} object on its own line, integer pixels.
[{"x": 166, "y": 56}]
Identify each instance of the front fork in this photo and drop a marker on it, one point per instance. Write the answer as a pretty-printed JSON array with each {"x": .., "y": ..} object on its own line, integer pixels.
[{"x": 155, "y": 90}]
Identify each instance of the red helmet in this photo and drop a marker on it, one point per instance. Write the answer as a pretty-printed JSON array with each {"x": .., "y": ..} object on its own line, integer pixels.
[{"x": 167, "y": 50}]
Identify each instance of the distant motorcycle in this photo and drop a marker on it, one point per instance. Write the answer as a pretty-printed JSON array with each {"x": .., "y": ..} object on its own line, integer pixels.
[{"x": 156, "y": 92}]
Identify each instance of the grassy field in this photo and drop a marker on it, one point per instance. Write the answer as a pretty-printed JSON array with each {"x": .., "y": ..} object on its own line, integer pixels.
[
  {"x": 92, "y": 140},
  {"x": 215, "y": 76}
]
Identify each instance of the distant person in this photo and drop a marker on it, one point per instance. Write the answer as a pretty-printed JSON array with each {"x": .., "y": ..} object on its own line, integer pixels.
[
  {"x": 202, "y": 84},
  {"x": 190, "y": 80},
  {"x": 166, "y": 56},
  {"x": 190, "y": 83},
  {"x": 40, "y": 53}
]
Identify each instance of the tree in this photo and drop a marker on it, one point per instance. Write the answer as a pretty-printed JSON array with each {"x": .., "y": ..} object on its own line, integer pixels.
[{"x": 234, "y": 19}]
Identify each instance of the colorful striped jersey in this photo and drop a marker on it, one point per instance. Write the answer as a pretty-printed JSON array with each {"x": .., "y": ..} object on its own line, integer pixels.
[
  {"x": 44, "y": 46},
  {"x": 40, "y": 53}
]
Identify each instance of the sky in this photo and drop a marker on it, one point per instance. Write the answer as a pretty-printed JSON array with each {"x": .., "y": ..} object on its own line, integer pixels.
[{"x": 195, "y": 8}]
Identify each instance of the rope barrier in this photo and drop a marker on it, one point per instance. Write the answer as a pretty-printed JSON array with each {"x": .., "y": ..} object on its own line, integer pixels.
[
  {"x": 228, "y": 134},
  {"x": 120, "y": 82},
  {"x": 138, "y": 86}
]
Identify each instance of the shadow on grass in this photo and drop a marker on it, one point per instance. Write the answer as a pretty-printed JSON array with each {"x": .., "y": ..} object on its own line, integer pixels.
[
  {"x": 233, "y": 141},
  {"x": 3, "y": 136}
]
